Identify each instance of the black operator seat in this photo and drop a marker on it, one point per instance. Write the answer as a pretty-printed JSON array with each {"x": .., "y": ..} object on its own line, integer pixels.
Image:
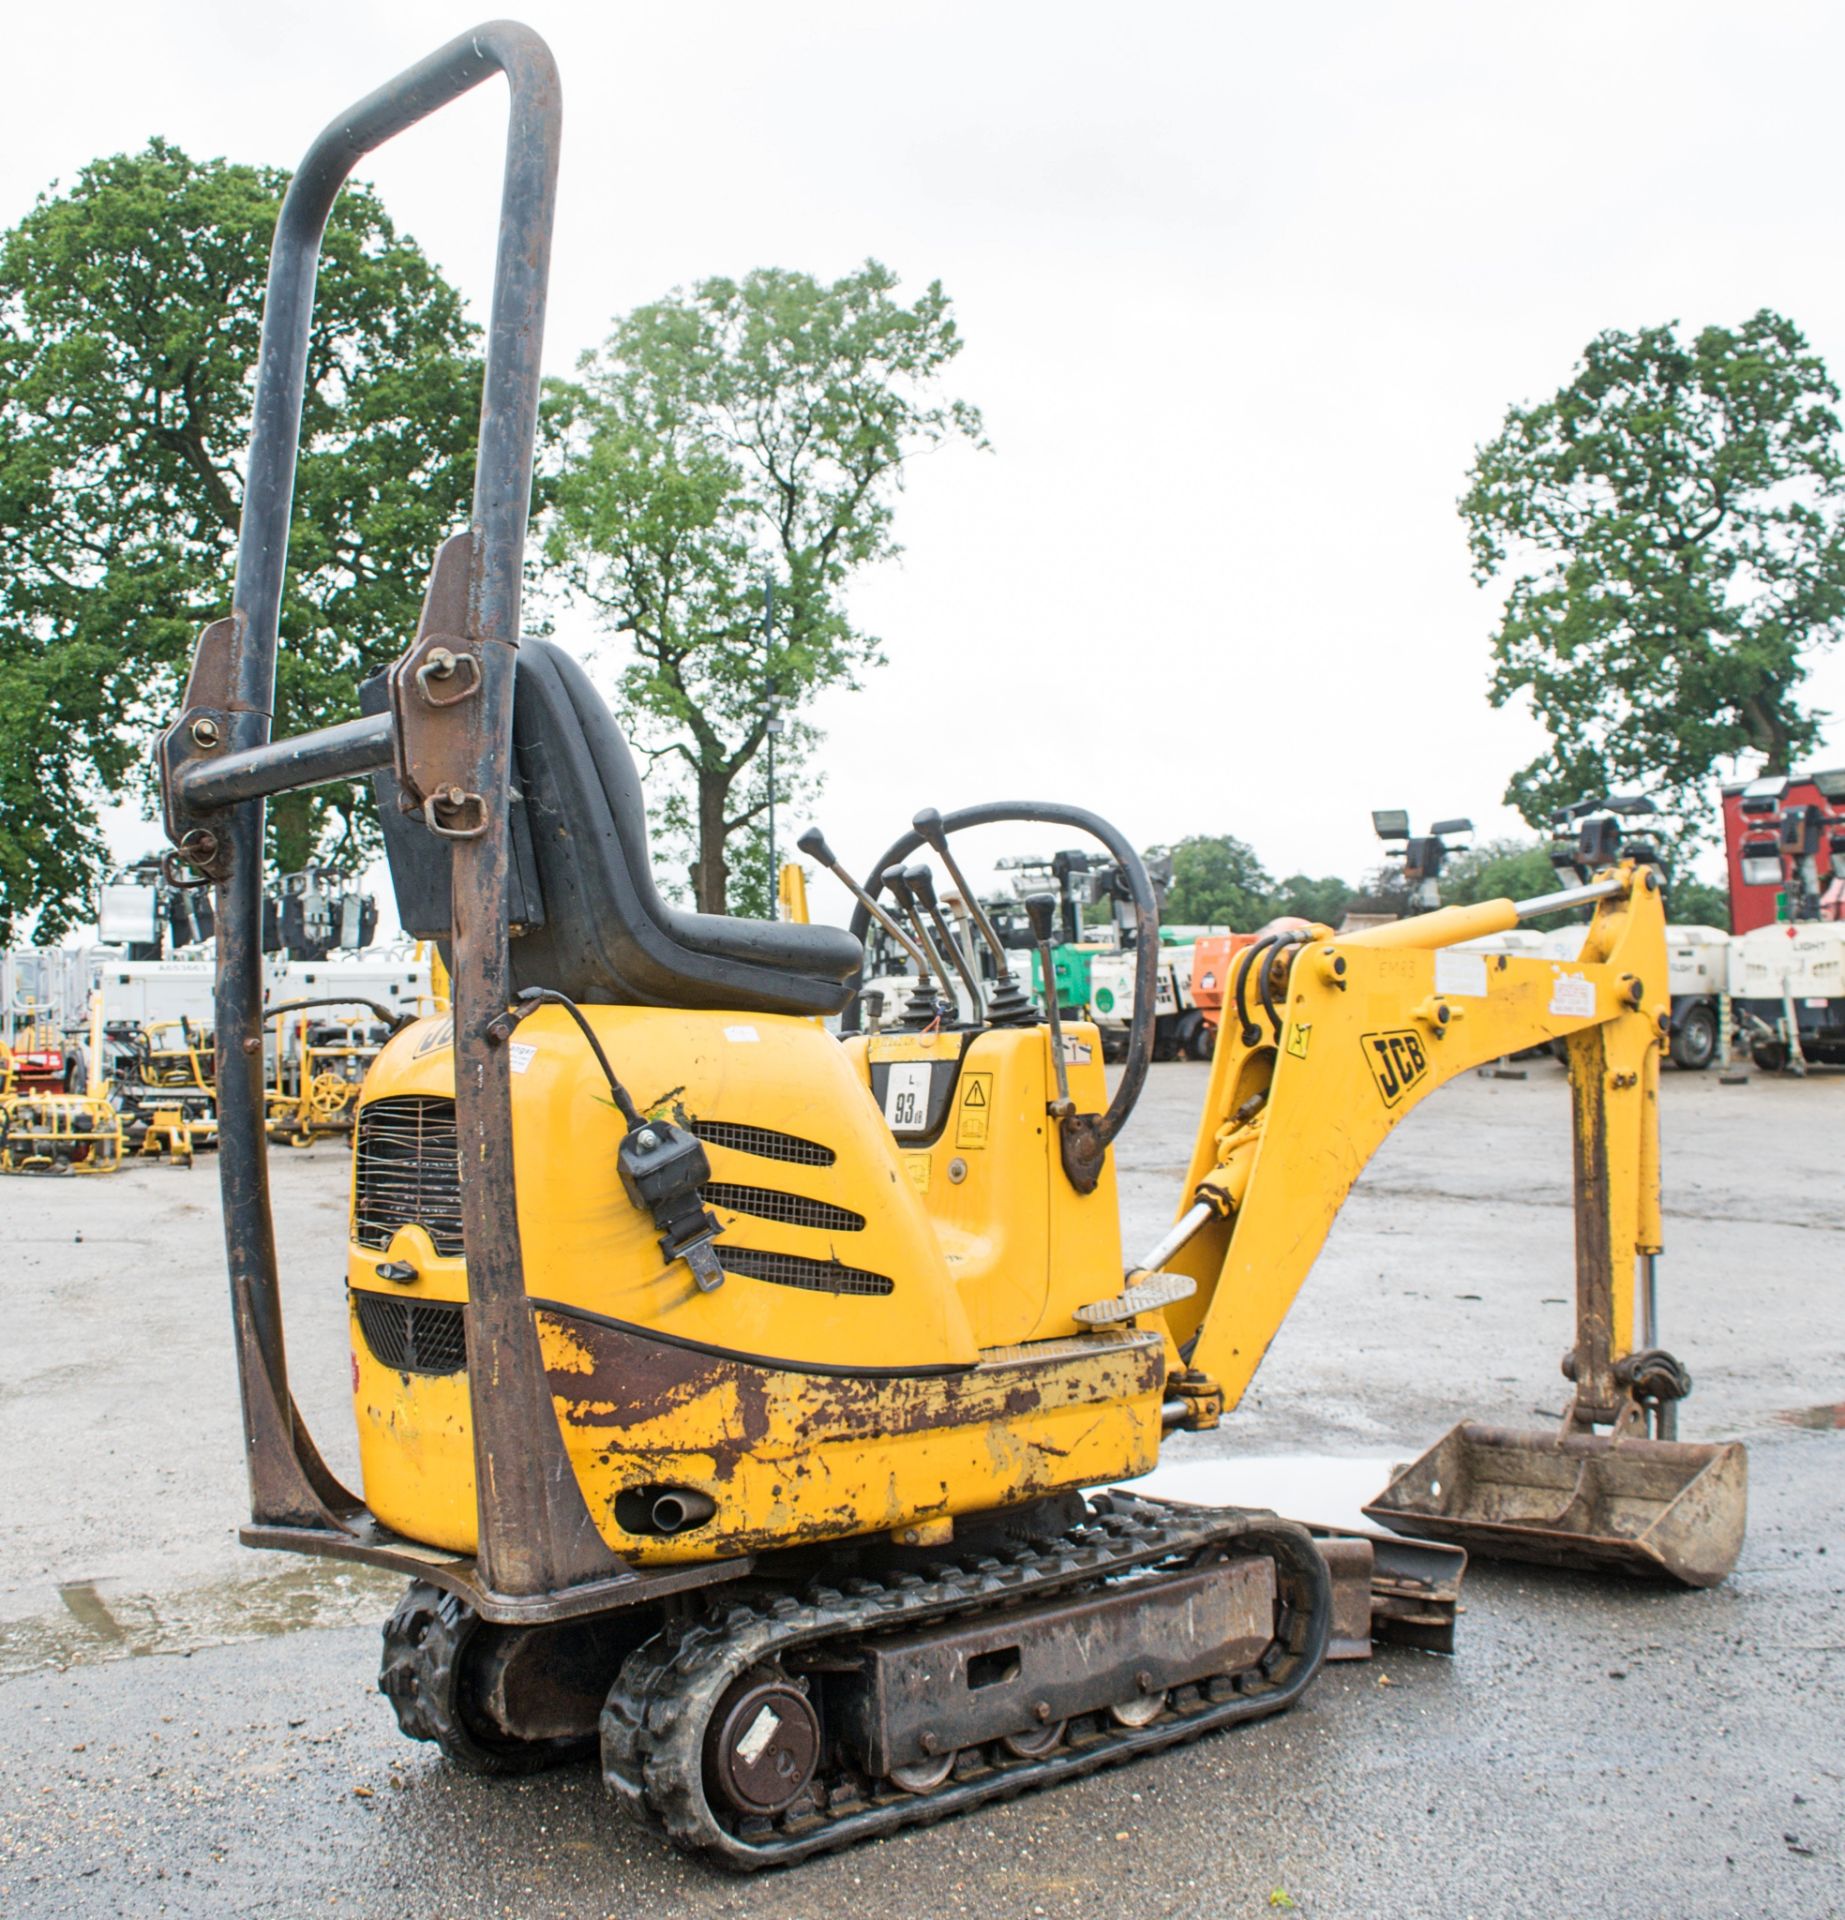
[{"x": 594, "y": 925}]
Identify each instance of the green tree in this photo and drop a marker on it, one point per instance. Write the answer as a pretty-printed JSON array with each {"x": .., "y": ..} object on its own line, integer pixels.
[
  {"x": 1694, "y": 903},
  {"x": 130, "y": 308},
  {"x": 1512, "y": 869},
  {"x": 1217, "y": 881},
  {"x": 748, "y": 430},
  {"x": 1322, "y": 901},
  {"x": 1673, "y": 522}
]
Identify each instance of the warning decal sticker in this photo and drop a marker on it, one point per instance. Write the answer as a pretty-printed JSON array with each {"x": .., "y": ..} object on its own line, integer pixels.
[{"x": 976, "y": 1108}]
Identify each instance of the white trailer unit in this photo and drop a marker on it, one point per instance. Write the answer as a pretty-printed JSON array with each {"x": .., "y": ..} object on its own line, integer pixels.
[
  {"x": 1697, "y": 976},
  {"x": 1787, "y": 986},
  {"x": 1179, "y": 1027}
]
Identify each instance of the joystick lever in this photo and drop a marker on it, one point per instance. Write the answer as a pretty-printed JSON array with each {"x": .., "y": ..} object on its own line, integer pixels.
[
  {"x": 1041, "y": 910},
  {"x": 813, "y": 844},
  {"x": 922, "y": 885},
  {"x": 1007, "y": 1005}
]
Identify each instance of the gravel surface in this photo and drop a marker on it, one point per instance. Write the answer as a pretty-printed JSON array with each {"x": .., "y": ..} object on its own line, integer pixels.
[{"x": 192, "y": 1729}]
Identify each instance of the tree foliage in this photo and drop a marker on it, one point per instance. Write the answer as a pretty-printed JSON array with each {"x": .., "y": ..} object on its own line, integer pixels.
[
  {"x": 745, "y": 430},
  {"x": 1497, "y": 870},
  {"x": 1322, "y": 901},
  {"x": 1217, "y": 880},
  {"x": 1511, "y": 869},
  {"x": 1695, "y": 903},
  {"x": 1673, "y": 522},
  {"x": 130, "y": 309}
]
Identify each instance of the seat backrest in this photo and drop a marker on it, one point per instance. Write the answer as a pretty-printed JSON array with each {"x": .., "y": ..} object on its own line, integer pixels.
[{"x": 587, "y": 917}]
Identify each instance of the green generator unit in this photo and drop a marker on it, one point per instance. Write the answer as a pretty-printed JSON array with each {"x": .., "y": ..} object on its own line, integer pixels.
[{"x": 1070, "y": 966}]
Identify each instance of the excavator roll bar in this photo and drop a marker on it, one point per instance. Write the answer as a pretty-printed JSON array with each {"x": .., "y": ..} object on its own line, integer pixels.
[{"x": 448, "y": 735}]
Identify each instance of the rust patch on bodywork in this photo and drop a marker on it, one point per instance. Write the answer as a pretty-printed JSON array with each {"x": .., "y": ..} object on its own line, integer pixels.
[{"x": 624, "y": 1383}]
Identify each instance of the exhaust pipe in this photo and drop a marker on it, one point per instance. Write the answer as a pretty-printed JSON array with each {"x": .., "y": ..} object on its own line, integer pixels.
[{"x": 677, "y": 1508}]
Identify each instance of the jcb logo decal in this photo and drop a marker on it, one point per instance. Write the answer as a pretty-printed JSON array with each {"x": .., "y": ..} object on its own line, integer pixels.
[{"x": 1396, "y": 1060}]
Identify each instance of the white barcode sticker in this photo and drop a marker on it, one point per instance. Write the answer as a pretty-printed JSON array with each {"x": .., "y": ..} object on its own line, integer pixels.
[
  {"x": 742, "y": 1034},
  {"x": 519, "y": 1055}
]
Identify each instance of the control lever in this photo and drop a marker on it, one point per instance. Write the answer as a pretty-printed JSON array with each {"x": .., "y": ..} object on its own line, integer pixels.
[
  {"x": 922, "y": 885},
  {"x": 922, "y": 1005},
  {"x": 1041, "y": 910},
  {"x": 901, "y": 891},
  {"x": 957, "y": 911},
  {"x": 1008, "y": 1005}
]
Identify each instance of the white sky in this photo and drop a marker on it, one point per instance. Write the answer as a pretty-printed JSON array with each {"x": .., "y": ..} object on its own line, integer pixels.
[{"x": 1242, "y": 287}]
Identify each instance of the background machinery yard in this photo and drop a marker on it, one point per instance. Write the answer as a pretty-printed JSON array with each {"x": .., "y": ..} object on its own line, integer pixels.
[
  {"x": 1787, "y": 972},
  {"x": 732, "y": 1395}
]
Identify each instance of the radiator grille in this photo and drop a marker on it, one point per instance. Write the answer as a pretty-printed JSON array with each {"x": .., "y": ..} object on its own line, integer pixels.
[
  {"x": 792, "y": 1209},
  {"x": 791, "y": 1270},
  {"x": 764, "y": 1142},
  {"x": 407, "y": 1172},
  {"x": 413, "y": 1336}
]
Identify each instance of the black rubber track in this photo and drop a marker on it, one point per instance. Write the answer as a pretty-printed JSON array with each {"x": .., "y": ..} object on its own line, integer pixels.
[
  {"x": 658, "y": 1714},
  {"x": 421, "y": 1673}
]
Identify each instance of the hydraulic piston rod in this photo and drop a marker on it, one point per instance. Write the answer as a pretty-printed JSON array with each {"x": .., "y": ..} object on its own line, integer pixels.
[{"x": 1446, "y": 925}]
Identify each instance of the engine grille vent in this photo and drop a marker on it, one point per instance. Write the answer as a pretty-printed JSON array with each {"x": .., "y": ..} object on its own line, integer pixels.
[
  {"x": 792, "y": 1209},
  {"x": 764, "y": 1142},
  {"x": 408, "y": 1172},
  {"x": 413, "y": 1336},
  {"x": 791, "y": 1270}
]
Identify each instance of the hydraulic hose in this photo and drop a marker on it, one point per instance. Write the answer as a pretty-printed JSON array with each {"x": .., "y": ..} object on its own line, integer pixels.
[
  {"x": 1265, "y": 980},
  {"x": 1240, "y": 992}
]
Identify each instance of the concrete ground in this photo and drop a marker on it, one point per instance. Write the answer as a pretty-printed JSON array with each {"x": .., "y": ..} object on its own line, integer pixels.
[{"x": 188, "y": 1728}]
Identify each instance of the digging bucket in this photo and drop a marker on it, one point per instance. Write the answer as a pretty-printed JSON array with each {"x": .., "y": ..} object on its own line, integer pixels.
[{"x": 1658, "y": 1509}]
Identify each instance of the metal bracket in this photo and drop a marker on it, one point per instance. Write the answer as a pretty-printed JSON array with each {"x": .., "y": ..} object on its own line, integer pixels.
[
  {"x": 441, "y": 664},
  {"x": 1082, "y": 1147},
  {"x": 199, "y": 851},
  {"x": 435, "y": 698},
  {"x": 206, "y": 726},
  {"x": 469, "y": 806}
]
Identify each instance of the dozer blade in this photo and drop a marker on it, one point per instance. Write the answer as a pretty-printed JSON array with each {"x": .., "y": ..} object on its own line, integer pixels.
[{"x": 1660, "y": 1509}]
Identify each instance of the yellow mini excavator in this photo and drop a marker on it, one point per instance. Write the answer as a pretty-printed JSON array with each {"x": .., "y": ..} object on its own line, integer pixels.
[{"x": 733, "y": 1395}]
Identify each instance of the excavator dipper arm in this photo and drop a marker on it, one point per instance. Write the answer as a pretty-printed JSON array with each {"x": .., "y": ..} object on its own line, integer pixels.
[{"x": 1338, "y": 1041}]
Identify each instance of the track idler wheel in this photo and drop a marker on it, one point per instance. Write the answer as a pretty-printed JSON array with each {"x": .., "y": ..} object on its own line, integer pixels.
[
  {"x": 764, "y": 1746},
  {"x": 424, "y": 1674}
]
